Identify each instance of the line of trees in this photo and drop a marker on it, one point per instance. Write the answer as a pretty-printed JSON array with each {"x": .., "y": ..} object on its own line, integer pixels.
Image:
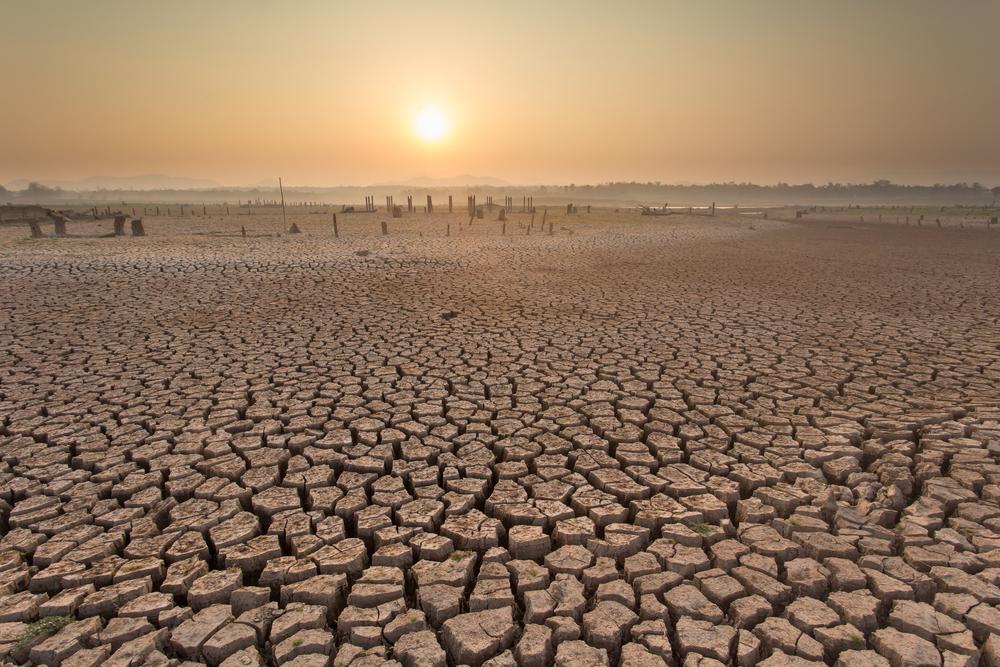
[{"x": 881, "y": 192}]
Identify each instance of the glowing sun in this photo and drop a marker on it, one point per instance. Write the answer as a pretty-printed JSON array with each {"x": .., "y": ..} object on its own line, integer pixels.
[{"x": 431, "y": 124}]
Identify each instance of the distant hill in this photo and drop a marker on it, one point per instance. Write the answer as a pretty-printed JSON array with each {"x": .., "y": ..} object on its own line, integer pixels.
[
  {"x": 143, "y": 182},
  {"x": 453, "y": 181}
]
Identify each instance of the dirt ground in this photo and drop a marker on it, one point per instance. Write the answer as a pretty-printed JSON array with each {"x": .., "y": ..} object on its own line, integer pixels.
[{"x": 628, "y": 440}]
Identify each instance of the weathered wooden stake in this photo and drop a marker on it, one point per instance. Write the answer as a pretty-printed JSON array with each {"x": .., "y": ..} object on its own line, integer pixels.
[
  {"x": 137, "y": 229},
  {"x": 284, "y": 223},
  {"x": 36, "y": 229},
  {"x": 385, "y": 228},
  {"x": 449, "y": 203},
  {"x": 119, "y": 225},
  {"x": 336, "y": 232}
]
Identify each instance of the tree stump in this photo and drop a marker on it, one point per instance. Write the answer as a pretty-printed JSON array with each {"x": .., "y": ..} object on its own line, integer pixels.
[
  {"x": 137, "y": 229},
  {"x": 119, "y": 225},
  {"x": 36, "y": 230},
  {"x": 503, "y": 214},
  {"x": 294, "y": 229}
]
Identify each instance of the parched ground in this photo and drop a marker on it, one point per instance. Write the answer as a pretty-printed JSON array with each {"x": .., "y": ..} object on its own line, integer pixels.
[{"x": 632, "y": 441}]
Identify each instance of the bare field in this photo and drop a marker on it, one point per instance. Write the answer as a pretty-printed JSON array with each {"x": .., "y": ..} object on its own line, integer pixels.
[{"x": 630, "y": 441}]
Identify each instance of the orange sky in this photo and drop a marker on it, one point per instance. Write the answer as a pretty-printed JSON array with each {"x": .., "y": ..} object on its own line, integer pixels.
[{"x": 324, "y": 93}]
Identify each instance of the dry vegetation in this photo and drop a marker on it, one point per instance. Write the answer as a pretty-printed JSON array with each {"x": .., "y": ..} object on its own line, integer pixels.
[{"x": 679, "y": 440}]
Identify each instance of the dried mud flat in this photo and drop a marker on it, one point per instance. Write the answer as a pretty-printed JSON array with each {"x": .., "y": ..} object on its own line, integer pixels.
[{"x": 643, "y": 443}]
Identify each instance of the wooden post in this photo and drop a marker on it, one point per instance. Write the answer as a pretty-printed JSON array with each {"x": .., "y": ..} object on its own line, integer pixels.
[
  {"x": 430, "y": 204},
  {"x": 449, "y": 203},
  {"x": 119, "y": 225},
  {"x": 385, "y": 228},
  {"x": 550, "y": 229},
  {"x": 284, "y": 222},
  {"x": 447, "y": 231},
  {"x": 36, "y": 230},
  {"x": 336, "y": 232},
  {"x": 137, "y": 229},
  {"x": 503, "y": 230}
]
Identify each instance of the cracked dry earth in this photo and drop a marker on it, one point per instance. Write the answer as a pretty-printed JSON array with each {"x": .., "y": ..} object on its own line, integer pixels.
[{"x": 640, "y": 444}]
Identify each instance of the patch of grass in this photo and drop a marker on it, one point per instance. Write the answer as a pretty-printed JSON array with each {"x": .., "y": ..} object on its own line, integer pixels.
[
  {"x": 43, "y": 627},
  {"x": 700, "y": 527},
  {"x": 297, "y": 643},
  {"x": 857, "y": 639},
  {"x": 458, "y": 555}
]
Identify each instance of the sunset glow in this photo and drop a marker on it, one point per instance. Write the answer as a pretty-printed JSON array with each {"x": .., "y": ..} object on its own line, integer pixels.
[{"x": 431, "y": 124}]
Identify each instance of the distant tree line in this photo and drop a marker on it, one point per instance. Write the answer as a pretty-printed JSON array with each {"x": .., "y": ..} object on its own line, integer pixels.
[{"x": 880, "y": 192}]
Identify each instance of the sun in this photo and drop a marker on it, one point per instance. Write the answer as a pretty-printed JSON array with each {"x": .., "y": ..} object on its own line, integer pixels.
[{"x": 431, "y": 124}]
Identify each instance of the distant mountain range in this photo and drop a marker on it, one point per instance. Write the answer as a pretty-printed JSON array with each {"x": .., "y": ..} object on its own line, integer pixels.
[
  {"x": 144, "y": 182},
  {"x": 164, "y": 182},
  {"x": 453, "y": 181}
]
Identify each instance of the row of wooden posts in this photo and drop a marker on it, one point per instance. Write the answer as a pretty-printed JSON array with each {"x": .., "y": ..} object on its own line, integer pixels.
[
  {"x": 502, "y": 218},
  {"x": 527, "y": 206},
  {"x": 59, "y": 223}
]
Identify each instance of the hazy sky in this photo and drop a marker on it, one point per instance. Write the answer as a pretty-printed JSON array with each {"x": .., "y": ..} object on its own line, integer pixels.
[{"x": 325, "y": 92}]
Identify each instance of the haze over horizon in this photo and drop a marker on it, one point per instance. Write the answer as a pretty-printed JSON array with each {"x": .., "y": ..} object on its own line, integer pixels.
[{"x": 353, "y": 94}]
